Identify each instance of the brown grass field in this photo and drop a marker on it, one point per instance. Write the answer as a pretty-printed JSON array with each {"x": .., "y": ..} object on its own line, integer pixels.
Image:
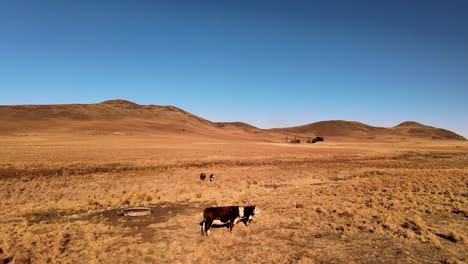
[{"x": 330, "y": 202}]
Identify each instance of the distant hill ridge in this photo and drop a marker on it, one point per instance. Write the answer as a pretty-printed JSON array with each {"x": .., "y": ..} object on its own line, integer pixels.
[
  {"x": 410, "y": 124},
  {"x": 118, "y": 102},
  {"x": 341, "y": 128},
  {"x": 122, "y": 115}
]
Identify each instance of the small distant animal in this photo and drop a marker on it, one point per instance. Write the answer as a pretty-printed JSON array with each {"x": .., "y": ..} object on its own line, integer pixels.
[
  {"x": 211, "y": 177},
  {"x": 316, "y": 139},
  {"x": 202, "y": 176},
  {"x": 226, "y": 215},
  {"x": 296, "y": 141}
]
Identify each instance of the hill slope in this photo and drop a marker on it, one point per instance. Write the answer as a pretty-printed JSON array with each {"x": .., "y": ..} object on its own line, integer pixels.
[
  {"x": 335, "y": 128},
  {"x": 108, "y": 116},
  {"x": 125, "y": 117},
  {"x": 114, "y": 117},
  {"x": 414, "y": 129},
  {"x": 353, "y": 129}
]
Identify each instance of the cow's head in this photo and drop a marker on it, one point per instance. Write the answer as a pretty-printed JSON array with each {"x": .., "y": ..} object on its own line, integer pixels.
[{"x": 249, "y": 213}]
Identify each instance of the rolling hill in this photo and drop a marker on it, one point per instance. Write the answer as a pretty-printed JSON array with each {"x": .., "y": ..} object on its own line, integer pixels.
[
  {"x": 414, "y": 129},
  {"x": 125, "y": 118},
  {"x": 353, "y": 129},
  {"x": 108, "y": 116},
  {"x": 335, "y": 128}
]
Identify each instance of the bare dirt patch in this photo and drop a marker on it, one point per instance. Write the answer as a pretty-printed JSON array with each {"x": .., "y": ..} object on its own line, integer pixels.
[{"x": 140, "y": 225}]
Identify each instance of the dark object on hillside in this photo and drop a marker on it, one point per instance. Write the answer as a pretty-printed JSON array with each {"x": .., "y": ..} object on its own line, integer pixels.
[
  {"x": 202, "y": 176},
  {"x": 296, "y": 141},
  {"x": 316, "y": 139},
  {"x": 211, "y": 177}
]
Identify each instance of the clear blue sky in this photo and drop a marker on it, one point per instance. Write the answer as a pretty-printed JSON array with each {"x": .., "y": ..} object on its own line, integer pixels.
[{"x": 267, "y": 63}]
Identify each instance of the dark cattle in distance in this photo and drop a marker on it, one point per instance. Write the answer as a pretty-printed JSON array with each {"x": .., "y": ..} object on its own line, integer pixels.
[
  {"x": 211, "y": 177},
  {"x": 316, "y": 139},
  {"x": 226, "y": 215},
  {"x": 202, "y": 176}
]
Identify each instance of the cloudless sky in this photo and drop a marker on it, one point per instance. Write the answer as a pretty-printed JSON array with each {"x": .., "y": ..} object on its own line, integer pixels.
[{"x": 267, "y": 63}]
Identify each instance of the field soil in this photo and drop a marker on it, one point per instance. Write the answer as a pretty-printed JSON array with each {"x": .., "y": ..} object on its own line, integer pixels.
[{"x": 330, "y": 202}]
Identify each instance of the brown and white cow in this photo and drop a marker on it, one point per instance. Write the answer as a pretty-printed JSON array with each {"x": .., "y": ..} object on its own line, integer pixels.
[
  {"x": 202, "y": 176},
  {"x": 226, "y": 215}
]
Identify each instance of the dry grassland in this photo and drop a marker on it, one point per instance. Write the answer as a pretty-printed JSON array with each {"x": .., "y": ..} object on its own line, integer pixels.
[{"x": 332, "y": 202}]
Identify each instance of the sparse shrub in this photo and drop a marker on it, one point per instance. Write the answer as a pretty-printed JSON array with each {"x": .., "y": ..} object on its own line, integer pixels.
[
  {"x": 140, "y": 197},
  {"x": 452, "y": 236},
  {"x": 93, "y": 202},
  {"x": 337, "y": 178},
  {"x": 451, "y": 260},
  {"x": 148, "y": 197},
  {"x": 180, "y": 191},
  {"x": 126, "y": 201},
  {"x": 321, "y": 210},
  {"x": 346, "y": 213},
  {"x": 305, "y": 260}
]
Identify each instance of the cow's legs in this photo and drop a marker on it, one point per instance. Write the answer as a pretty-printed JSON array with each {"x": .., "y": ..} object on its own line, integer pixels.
[
  {"x": 202, "y": 226},
  {"x": 231, "y": 224},
  {"x": 208, "y": 223}
]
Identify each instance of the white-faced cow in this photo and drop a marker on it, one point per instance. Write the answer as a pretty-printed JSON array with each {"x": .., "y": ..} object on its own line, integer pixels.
[
  {"x": 226, "y": 215},
  {"x": 211, "y": 177}
]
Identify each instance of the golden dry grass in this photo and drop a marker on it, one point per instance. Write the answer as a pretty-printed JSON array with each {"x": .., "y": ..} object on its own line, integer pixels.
[{"x": 332, "y": 202}]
